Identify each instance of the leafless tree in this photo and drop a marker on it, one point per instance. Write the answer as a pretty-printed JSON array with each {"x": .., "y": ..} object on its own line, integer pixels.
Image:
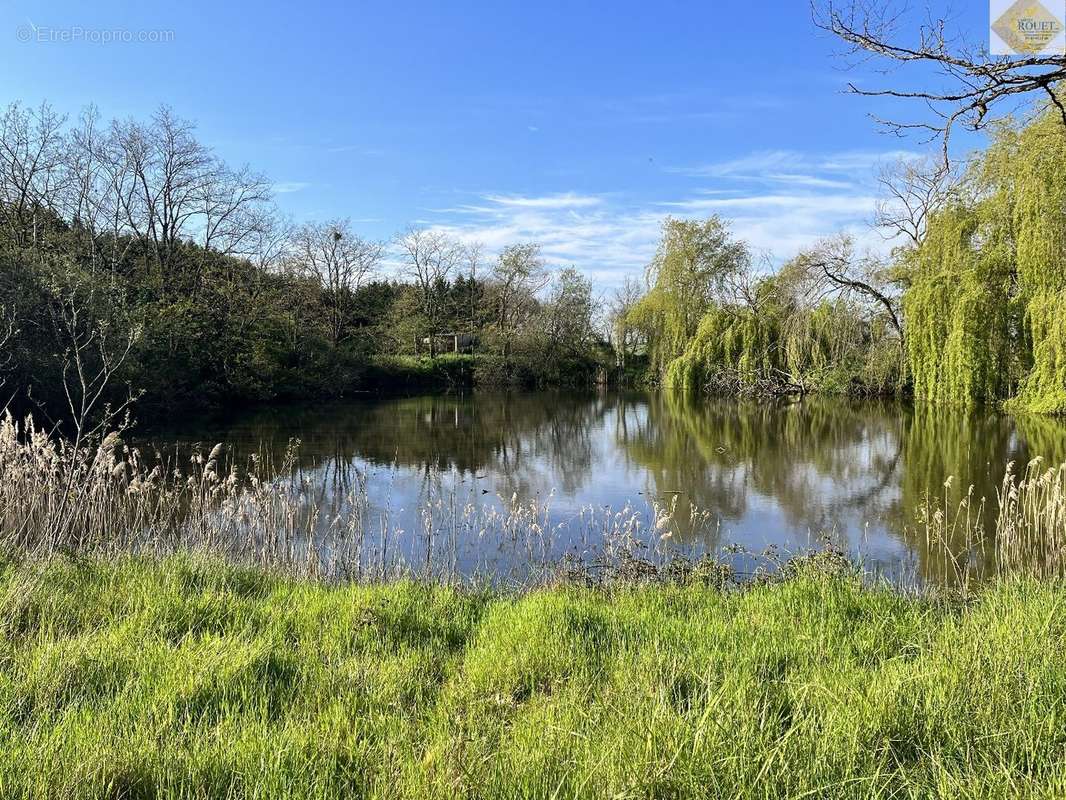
[
  {"x": 973, "y": 82},
  {"x": 31, "y": 153},
  {"x": 429, "y": 258},
  {"x": 835, "y": 261},
  {"x": 340, "y": 261},
  {"x": 624, "y": 335},
  {"x": 166, "y": 174},
  {"x": 517, "y": 276},
  {"x": 169, "y": 187},
  {"x": 269, "y": 245},
  {"x": 912, "y": 191},
  {"x": 94, "y": 351},
  {"x": 87, "y": 200},
  {"x": 231, "y": 209},
  {"x": 104, "y": 186}
]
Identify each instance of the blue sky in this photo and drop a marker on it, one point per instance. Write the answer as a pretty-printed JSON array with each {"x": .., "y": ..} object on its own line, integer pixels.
[{"x": 579, "y": 125}]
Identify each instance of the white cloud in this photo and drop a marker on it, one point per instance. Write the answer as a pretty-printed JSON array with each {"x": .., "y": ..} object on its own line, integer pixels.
[
  {"x": 783, "y": 165},
  {"x": 606, "y": 241},
  {"x": 806, "y": 180},
  {"x": 824, "y": 204},
  {"x": 862, "y": 161},
  {"x": 754, "y": 163},
  {"x": 567, "y": 200},
  {"x": 779, "y": 202},
  {"x": 782, "y": 224},
  {"x": 288, "y": 187}
]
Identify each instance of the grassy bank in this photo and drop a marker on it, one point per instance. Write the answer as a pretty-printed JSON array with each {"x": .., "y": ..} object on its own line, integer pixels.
[{"x": 189, "y": 678}]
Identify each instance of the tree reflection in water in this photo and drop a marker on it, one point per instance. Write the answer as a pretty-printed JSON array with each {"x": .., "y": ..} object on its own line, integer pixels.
[{"x": 783, "y": 474}]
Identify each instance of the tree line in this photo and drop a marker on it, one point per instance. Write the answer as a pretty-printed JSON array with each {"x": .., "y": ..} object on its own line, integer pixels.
[
  {"x": 136, "y": 264},
  {"x": 969, "y": 307}
]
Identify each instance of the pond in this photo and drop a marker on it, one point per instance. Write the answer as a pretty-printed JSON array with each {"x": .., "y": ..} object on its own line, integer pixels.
[{"x": 785, "y": 476}]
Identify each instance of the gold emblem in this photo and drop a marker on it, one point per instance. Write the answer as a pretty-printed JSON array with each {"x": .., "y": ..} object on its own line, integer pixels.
[{"x": 1027, "y": 27}]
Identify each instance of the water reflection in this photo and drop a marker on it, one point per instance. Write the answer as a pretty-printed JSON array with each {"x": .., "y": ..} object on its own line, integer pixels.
[{"x": 780, "y": 474}]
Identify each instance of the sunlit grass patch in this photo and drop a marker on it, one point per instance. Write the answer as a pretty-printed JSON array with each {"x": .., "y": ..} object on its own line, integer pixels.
[{"x": 192, "y": 678}]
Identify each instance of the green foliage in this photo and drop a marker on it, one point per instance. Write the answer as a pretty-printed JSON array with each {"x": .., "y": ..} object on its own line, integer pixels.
[
  {"x": 713, "y": 323},
  {"x": 247, "y": 336},
  {"x": 983, "y": 307},
  {"x": 957, "y": 308},
  {"x": 421, "y": 373},
  {"x": 691, "y": 267},
  {"x": 1044, "y": 389},
  {"x": 724, "y": 339},
  {"x": 229, "y": 304},
  {"x": 194, "y": 679},
  {"x": 987, "y": 295},
  {"x": 776, "y": 343},
  {"x": 1039, "y": 182}
]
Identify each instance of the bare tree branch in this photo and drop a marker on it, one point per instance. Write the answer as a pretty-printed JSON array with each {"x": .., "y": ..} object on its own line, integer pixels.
[
  {"x": 835, "y": 259},
  {"x": 974, "y": 82},
  {"x": 430, "y": 257},
  {"x": 912, "y": 191},
  {"x": 340, "y": 261}
]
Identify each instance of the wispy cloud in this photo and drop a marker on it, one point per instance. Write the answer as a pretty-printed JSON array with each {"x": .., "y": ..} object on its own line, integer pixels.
[
  {"x": 607, "y": 240},
  {"x": 288, "y": 187},
  {"x": 827, "y": 204},
  {"x": 779, "y": 202},
  {"x": 786, "y": 164},
  {"x": 567, "y": 200},
  {"x": 782, "y": 201},
  {"x": 781, "y": 224},
  {"x": 812, "y": 181}
]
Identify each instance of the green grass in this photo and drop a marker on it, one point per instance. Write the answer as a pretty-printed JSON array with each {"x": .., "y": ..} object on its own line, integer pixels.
[{"x": 189, "y": 678}]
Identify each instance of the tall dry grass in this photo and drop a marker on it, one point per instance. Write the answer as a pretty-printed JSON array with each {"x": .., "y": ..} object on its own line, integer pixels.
[
  {"x": 111, "y": 499},
  {"x": 1031, "y": 521},
  {"x": 1021, "y": 531}
]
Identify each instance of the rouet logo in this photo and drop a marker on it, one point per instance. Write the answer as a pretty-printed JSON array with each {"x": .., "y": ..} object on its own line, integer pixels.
[{"x": 1028, "y": 27}]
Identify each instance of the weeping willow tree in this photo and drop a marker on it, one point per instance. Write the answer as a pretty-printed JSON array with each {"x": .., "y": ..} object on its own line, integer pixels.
[
  {"x": 985, "y": 309},
  {"x": 789, "y": 332},
  {"x": 957, "y": 308},
  {"x": 733, "y": 347},
  {"x": 694, "y": 265},
  {"x": 1038, "y": 178},
  {"x": 712, "y": 323},
  {"x": 982, "y": 317}
]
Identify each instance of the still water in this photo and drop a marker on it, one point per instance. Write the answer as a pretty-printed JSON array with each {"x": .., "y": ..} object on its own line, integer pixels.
[{"x": 783, "y": 475}]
